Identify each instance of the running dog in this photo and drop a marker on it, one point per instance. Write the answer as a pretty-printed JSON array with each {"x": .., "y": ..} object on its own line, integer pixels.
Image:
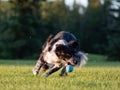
[{"x": 59, "y": 51}]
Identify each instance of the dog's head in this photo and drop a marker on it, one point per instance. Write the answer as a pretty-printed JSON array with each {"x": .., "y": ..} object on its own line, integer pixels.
[{"x": 63, "y": 52}]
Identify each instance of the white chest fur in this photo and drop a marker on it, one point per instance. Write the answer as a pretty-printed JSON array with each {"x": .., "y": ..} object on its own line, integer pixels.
[{"x": 50, "y": 57}]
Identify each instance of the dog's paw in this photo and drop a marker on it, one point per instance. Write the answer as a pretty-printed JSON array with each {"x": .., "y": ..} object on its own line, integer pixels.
[{"x": 34, "y": 72}]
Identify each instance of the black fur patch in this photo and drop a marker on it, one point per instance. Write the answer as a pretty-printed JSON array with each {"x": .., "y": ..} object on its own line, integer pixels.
[{"x": 63, "y": 52}]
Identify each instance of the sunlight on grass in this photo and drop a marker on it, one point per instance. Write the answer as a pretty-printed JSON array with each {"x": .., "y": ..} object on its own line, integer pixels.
[{"x": 96, "y": 75}]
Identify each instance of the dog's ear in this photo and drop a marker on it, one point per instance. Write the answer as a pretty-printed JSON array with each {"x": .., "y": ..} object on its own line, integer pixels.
[{"x": 74, "y": 44}]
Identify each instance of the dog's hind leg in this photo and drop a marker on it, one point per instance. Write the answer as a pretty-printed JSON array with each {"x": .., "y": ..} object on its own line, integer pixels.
[
  {"x": 38, "y": 65},
  {"x": 45, "y": 67},
  {"x": 52, "y": 70}
]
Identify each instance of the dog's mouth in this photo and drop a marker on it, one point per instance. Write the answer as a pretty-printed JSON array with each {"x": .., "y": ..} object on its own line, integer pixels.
[{"x": 72, "y": 61}]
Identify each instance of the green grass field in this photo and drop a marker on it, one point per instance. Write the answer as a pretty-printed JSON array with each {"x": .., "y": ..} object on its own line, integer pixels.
[{"x": 98, "y": 74}]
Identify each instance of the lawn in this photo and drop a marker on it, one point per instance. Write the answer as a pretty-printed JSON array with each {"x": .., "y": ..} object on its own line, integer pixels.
[{"x": 98, "y": 74}]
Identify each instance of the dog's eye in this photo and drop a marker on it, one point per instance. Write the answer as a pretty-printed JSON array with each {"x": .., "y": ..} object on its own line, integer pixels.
[
  {"x": 68, "y": 56},
  {"x": 64, "y": 59}
]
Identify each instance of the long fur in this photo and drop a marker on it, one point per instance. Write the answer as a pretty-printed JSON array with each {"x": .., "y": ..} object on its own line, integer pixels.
[
  {"x": 81, "y": 58},
  {"x": 60, "y": 50}
]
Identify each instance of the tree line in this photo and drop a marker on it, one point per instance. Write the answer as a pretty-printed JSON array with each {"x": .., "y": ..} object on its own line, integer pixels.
[{"x": 25, "y": 25}]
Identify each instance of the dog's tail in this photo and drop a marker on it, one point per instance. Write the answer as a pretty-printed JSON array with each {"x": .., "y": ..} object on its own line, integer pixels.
[{"x": 81, "y": 58}]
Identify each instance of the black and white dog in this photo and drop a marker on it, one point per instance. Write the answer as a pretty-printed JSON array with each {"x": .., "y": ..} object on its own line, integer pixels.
[{"x": 58, "y": 51}]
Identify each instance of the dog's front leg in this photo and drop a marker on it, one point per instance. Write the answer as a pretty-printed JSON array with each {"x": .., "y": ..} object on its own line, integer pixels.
[
  {"x": 38, "y": 65},
  {"x": 52, "y": 70},
  {"x": 63, "y": 72}
]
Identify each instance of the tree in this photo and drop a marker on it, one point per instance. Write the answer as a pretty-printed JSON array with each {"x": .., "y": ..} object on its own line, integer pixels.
[
  {"x": 56, "y": 16},
  {"x": 93, "y": 35},
  {"x": 22, "y": 37},
  {"x": 114, "y": 32},
  {"x": 29, "y": 24}
]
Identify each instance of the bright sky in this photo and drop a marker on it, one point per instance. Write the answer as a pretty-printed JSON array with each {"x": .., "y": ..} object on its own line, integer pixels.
[
  {"x": 4, "y": 0},
  {"x": 70, "y": 2},
  {"x": 83, "y": 2}
]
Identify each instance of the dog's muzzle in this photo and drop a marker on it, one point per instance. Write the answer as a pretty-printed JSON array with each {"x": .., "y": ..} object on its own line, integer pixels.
[{"x": 72, "y": 61}]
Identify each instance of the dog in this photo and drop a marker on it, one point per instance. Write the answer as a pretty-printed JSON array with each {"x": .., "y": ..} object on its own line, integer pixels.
[{"x": 59, "y": 51}]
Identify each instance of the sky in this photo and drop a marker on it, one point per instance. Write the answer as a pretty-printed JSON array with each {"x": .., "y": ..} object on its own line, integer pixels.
[
  {"x": 83, "y": 2},
  {"x": 70, "y": 2},
  {"x": 4, "y": 0}
]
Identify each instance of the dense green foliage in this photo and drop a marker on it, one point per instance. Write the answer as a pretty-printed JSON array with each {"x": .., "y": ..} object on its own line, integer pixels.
[
  {"x": 96, "y": 75},
  {"x": 114, "y": 34},
  {"x": 25, "y": 25},
  {"x": 19, "y": 36}
]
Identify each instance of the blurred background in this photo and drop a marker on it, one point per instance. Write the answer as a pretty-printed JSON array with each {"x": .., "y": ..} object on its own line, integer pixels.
[{"x": 26, "y": 24}]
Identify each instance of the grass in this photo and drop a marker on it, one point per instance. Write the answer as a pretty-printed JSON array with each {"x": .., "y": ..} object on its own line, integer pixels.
[{"x": 98, "y": 74}]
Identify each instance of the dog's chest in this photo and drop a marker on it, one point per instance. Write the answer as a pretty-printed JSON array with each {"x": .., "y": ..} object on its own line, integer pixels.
[{"x": 51, "y": 57}]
